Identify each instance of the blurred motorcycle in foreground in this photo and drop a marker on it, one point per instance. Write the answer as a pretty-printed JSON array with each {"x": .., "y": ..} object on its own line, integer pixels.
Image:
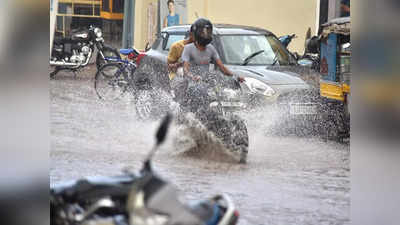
[{"x": 135, "y": 199}]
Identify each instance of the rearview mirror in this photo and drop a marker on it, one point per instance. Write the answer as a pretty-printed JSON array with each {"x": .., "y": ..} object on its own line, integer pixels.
[
  {"x": 147, "y": 47},
  {"x": 160, "y": 137}
]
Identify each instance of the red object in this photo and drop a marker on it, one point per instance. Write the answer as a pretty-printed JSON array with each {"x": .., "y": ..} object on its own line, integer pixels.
[
  {"x": 236, "y": 213},
  {"x": 132, "y": 56},
  {"x": 139, "y": 57}
]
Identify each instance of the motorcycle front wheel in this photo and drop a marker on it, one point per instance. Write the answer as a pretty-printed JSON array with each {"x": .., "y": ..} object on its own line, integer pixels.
[
  {"x": 233, "y": 132},
  {"x": 110, "y": 82}
]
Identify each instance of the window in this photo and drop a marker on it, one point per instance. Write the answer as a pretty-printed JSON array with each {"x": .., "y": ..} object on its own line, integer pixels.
[
  {"x": 236, "y": 48},
  {"x": 157, "y": 44},
  {"x": 106, "y": 5},
  {"x": 118, "y": 6},
  {"x": 63, "y": 8},
  {"x": 172, "y": 38}
]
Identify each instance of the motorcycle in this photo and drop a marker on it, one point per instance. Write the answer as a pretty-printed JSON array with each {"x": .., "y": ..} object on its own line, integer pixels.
[
  {"x": 286, "y": 39},
  {"x": 307, "y": 59},
  {"x": 74, "y": 52},
  {"x": 135, "y": 199}
]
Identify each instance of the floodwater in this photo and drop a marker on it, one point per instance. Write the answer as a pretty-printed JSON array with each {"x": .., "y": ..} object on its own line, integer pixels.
[{"x": 287, "y": 180}]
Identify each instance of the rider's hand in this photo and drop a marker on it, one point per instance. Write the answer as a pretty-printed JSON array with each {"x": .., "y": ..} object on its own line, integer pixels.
[
  {"x": 172, "y": 67},
  {"x": 196, "y": 78},
  {"x": 241, "y": 79}
]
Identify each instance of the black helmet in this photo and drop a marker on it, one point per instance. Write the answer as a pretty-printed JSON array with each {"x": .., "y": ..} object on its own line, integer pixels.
[
  {"x": 202, "y": 30},
  {"x": 189, "y": 31}
]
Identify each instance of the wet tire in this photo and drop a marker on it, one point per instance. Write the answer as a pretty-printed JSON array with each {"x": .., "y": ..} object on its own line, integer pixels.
[
  {"x": 110, "y": 83},
  {"x": 232, "y": 130},
  {"x": 53, "y": 74},
  {"x": 107, "y": 51}
]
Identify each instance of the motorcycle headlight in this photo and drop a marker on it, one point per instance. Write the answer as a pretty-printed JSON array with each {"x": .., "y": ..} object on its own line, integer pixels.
[
  {"x": 259, "y": 87},
  {"x": 97, "y": 32},
  {"x": 230, "y": 93}
]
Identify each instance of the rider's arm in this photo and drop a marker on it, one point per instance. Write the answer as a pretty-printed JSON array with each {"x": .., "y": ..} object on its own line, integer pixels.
[
  {"x": 173, "y": 57},
  {"x": 186, "y": 66},
  {"x": 221, "y": 66},
  {"x": 217, "y": 60},
  {"x": 226, "y": 71}
]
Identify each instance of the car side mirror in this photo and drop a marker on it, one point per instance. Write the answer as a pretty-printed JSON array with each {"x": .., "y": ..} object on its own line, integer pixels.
[{"x": 164, "y": 37}]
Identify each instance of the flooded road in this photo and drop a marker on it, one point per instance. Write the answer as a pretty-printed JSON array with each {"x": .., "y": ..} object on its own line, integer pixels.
[{"x": 287, "y": 180}]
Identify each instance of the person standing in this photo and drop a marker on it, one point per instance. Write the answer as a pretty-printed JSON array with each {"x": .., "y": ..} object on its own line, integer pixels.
[
  {"x": 344, "y": 8},
  {"x": 172, "y": 18}
]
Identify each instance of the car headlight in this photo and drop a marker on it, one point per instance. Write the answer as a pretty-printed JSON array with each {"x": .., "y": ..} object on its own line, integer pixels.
[
  {"x": 259, "y": 87},
  {"x": 97, "y": 32}
]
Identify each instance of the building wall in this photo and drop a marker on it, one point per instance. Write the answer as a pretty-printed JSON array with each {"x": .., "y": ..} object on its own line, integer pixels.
[
  {"x": 141, "y": 22},
  {"x": 281, "y": 17}
]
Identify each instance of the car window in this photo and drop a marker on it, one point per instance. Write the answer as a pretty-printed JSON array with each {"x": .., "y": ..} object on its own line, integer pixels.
[
  {"x": 157, "y": 43},
  {"x": 172, "y": 38},
  {"x": 236, "y": 48}
]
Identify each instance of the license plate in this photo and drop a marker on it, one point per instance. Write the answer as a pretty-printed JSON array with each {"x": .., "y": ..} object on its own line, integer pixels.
[
  {"x": 231, "y": 104},
  {"x": 302, "y": 109}
]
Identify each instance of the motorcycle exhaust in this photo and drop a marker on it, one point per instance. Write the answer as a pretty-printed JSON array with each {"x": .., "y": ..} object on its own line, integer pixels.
[
  {"x": 74, "y": 65},
  {"x": 58, "y": 63}
]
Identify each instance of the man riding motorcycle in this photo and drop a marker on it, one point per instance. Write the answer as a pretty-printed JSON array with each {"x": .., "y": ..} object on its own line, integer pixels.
[
  {"x": 204, "y": 87},
  {"x": 197, "y": 57},
  {"x": 200, "y": 52}
]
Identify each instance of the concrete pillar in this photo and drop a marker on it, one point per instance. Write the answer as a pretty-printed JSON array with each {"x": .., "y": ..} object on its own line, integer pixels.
[
  {"x": 334, "y": 9},
  {"x": 129, "y": 24}
]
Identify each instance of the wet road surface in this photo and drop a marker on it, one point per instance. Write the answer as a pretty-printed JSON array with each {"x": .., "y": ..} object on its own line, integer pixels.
[{"x": 287, "y": 180}]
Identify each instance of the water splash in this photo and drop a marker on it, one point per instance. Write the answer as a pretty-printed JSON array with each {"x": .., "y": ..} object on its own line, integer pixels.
[{"x": 195, "y": 140}]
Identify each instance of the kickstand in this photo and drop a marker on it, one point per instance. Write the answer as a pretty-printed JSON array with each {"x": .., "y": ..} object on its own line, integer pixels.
[
  {"x": 54, "y": 73},
  {"x": 75, "y": 71}
]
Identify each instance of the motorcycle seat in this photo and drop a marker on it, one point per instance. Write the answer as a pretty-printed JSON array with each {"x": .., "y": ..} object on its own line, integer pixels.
[
  {"x": 61, "y": 40},
  {"x": 87, "y": 186},
  {"x": 127, "y": 51}
]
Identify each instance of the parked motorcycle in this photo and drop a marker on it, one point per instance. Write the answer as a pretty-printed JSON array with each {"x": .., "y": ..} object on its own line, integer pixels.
[
  {"x": 135, "y": 199},
  {"x": 307, "y": 59},
  {"x": 74, "y": 52},
  {"x": 286, "y": 39}
]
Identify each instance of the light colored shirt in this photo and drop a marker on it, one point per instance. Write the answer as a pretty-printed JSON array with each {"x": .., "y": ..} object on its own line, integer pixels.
[{"x": 193, "y": 55}]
